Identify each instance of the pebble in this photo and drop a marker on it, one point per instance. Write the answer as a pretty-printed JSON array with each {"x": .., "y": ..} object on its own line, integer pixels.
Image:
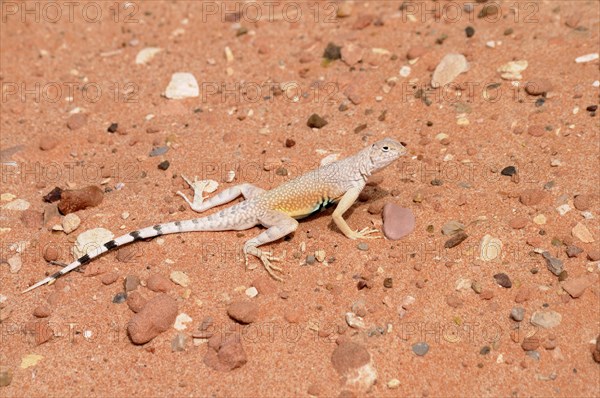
[
  {"x": 518, "y": 222},
  {"x": 76, "y": 121},
  {"x": 554, "y": 264},
  {"x": 178, "y": 343},
  {"x": 490, "y": 248},
  {"x": 243, "y": 311},
  {"x": 251, "y": 292},
  {"x": 5, "y": 376},
  {"x": 353, "y": 362},
  {"x": 332, "y": 52},
  {"x": 586, "y": 58},
  {"x": 362, "y": 21},
  {"x": 316, "y": 121},
  {"x": 512, "y": 70},
  {"x": 354, "y": 321},
  {"x": 362, "y": 246},
  {"x": 546, "y": 319},
  {"x": 79, "y": 199},
  {"x": 136, "y": 302},
  {"x": 455, "y": 240},
  {"x": 448, "y": 69},
  {"x": 180, "y": 278},
  {"x": 393, "y": 384},
  {"x": 539, "y": 219},
  {"x": 469, "y": 31},
  {"x": 563, "y": 209},
  {"x": 158, "y": 283},
  {"x": 145, "y": 55},
  {"x": 573, "y": 251},
  {"x": 344, "y": 9},
  {"x": 157, "y": 316},
  {"x": 352, "y": 54},
  {"x": 503, "y": 280},
  {"x": 70, "y": 223},
  {"x": 164, "y": 165},
  {"x": 48, "y": 143},
  {"x": 530, "y": 343},
  {"x": 420, "y": 349},
  {"x": 119, "y": 298},
  {"x": 454, "y": 301},
  {"x": 517, "y": 313},
  {"x": 452, "y": 227},
  {"x": 161, "y": 150},
  {"x": 538, "y": 87},
  {"x": 583, "y": 202},
  {"x": 225, "y": 352},
  {"x": 576, "y": 286},
  {"x": 523, "y": 294},
  {"x": 509, "y": 171},
  {"x": 265, "y": 285},
  {"x": 397, "y": 221},
  {"x": 17, "y": 205},
  {"x": 182, "y": 85},
  {"x": 42, "y": 311},
  {"x": 405, "y": 71},
  {"x": 477, "y": 287},
  {"x": 536, "y": 130},
  {"x": 15, "y": 263},
  {"x": 593, "y": 254},
  {"x": 581, "y": 232},
  {"x": 91, "y": 240},
  {"x": 131, "y": 283},
  {"x": 181, "y": 320},
  {"x": 109, "y": 278},
  {"x": 532, "y": 197},
  {"x": 51, "y": 253}
]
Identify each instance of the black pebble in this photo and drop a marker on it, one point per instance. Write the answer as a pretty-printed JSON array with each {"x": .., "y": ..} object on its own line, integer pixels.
[
  {"x": 332, "y": 52},
  {"x": 113, "y": 127},
  {"x": 164, "y": 165},
  {"x": 470, "y": 31},
  {"x": 509, "y": 171}
]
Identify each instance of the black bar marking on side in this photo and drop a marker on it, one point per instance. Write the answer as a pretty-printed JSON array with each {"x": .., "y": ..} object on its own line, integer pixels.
[
  {"x": 157, "y": 228},
  {"x": 84, "y": 259},
  {"x": 135, "y": 235}
]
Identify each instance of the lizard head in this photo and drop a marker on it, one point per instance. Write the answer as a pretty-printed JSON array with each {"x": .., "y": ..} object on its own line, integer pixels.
[{"x": 384, "y": 152}]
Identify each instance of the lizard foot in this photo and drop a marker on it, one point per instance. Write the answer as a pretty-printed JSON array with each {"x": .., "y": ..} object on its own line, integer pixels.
[
  {"x": 199, "y": 188},
  {"x": 364, "y": 233},
  {"x": 266, "y": 258}
]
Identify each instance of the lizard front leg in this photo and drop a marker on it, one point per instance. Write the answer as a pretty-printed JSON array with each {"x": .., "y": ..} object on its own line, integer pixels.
[
  {"x": 344, "y": 204},
  {"x": 279, "y": 225}
]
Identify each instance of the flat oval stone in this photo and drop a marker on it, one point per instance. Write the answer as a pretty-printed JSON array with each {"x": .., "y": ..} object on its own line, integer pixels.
[{"x": 397, "y": 221}]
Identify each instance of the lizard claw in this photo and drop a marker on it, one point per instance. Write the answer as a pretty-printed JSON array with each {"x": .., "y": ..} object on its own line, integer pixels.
[{"x": 364, "y": 233}]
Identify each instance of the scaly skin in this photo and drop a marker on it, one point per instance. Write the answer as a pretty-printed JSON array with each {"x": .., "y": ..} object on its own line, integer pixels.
[{"x": 278, "y": 209}]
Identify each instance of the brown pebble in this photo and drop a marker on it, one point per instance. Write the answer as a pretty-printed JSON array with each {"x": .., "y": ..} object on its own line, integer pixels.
[
  {"x": 530, "y": 343},
  {"x": 593, "y": 254},
  {"x": 131, "y": 283},
  {"x": 487, "y": 295},
  {"x": 582, "y": 202},
  {"x": 243, "y": 311},
  {"x": 109, "y": 278},
  {"x": 74, "y": 200},
  {"x": 42, "y": 311},
  {"x": 523, "y": 294},
  {"x": 293, "y": 315},
  {"x": 48, "y": 143},
  {"x": 158, "y": 283},
  {"x": 156, "y": 317},
  {"x": 289, "y": 142},
  {"x": 536, "y": 130},
  {"x": 454, "y": 301},
  {"x": 76, "y": 121},
  {"x": 225, "y": 352},
  {"x": 538, "y": 87},
  {"x": 518, "y": 222},
  {"x": 264, "y": 285},
  {"x": 32, "y": 219},
  {"x": 375, "y": 208},
  {"x": 532, "y": 197},
  {"x": 51, "y": 253},
  {"x": 135, "y": 301},
  {"x": 455, "y": 240}
]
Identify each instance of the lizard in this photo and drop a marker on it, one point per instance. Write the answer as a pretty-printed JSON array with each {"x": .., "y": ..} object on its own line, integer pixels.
[{"x": 279, "y": 209}]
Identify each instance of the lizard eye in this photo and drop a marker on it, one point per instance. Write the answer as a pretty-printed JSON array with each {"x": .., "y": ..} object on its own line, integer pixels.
[{"x": 385, "y": 148}]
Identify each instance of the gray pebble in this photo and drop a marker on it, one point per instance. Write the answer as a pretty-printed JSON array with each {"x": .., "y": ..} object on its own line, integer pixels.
[
  {"x": 362, "y": 246},
  {"x": 310, "y": 259},
  {"x": 554, "y": 264},
  {"x": 158, "y": 151},
  {"x": 517, "y": 313},
  {"x": 533, "y": 354},
  {"x": 120, "y": 298},
  {"x": 420, "y": 349}
]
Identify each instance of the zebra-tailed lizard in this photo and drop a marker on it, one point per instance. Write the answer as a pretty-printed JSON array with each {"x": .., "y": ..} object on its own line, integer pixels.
[{"x": 277, "y": 209}]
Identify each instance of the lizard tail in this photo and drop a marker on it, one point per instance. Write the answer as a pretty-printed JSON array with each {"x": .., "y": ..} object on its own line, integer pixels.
[{"x": 210, "y": 223}]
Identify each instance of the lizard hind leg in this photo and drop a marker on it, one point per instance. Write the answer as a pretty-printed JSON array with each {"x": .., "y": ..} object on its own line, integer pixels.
[
  {"x": 279, "y": 225},
  {"x": 200, "y": 203}
]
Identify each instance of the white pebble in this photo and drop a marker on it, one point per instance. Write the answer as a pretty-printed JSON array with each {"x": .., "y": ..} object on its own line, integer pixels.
[
  {"x": 70, "y": 223},
  {"x": 586, "y": 58},
  {"x": 405, "y": 71},
  {"x": 180, "y": 278},
  {"x": 490, "y": 44},
  {"x": 251, "y": 292},
  {"x": 393, "y": 384},
  {"x": 146, "y": 54},
  {"x": 596, "y": 83},
  {"x": 17, "y": 205},
  {"x": 354, "y": 321},
  {"x": 563, "y": 209},
  {"x": 587, "y": 215},
  {"x": 182, "y": 85},
  {"x": 181, "y": 320}
]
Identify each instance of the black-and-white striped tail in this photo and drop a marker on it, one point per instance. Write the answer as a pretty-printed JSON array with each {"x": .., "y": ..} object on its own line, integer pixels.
[{"x": 210, "y": 223}]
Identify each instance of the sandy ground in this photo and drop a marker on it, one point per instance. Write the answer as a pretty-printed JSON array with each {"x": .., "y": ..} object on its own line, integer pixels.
[{"x": 57, "y": 62}]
